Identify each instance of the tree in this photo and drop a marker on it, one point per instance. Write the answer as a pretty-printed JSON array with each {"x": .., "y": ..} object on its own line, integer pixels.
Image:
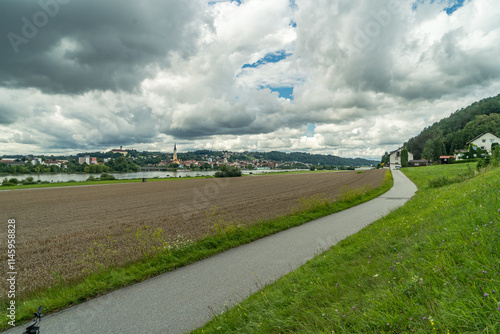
[
  {"x": 404, "y": 157},
  {"x": 226, "y": 171},
  {"x": 386, "y": 159}
]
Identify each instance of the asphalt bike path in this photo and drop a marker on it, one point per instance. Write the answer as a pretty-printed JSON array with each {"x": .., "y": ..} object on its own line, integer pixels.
[{"x": 186, "y": 298}]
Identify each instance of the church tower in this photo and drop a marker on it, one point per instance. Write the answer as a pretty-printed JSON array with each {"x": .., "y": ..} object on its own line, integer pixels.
[{"x": 175, "y": 160}]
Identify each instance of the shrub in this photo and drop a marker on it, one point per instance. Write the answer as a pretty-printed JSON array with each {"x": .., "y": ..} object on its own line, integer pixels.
[
  {"x": 8, "y": 183},
  {"x": 29, "y": 180},
  {"x": 106, "y": 176},
  {"x": 92, "y": 178},
  {"x": 440, "y": 182},
  {"x": 225, "y": 171}
]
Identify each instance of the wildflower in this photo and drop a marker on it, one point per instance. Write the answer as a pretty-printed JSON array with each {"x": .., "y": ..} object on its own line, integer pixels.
[
  {"x": 485, "y": 295},
  {"x": 484, "y": 272},
  {"x": 446, "y": 229}
]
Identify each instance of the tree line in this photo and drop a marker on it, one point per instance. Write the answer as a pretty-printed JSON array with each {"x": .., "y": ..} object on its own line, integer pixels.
[{"x": 454, "y": 132}]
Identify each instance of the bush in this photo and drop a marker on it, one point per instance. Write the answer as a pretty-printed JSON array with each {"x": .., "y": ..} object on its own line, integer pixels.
[
  {"x": 440, "y": 182},
  {"x": 29, "y": 180},
  {"x": 225, "y": 171},
  {"x": 106, "y": 176},
  {"x": 92, "y": 178},
  {"x": 7, "y": 183}
]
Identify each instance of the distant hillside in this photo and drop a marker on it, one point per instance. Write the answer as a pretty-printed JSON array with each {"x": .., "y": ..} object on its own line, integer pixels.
[
  {"x": 453, "y": 132},
  {"x": 306, "y": 158},
  {"x": 316, "y": 159}
]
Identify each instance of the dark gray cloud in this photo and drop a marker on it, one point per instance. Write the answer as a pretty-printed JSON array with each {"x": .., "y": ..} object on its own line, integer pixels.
[{"x": 77, "y": 46}]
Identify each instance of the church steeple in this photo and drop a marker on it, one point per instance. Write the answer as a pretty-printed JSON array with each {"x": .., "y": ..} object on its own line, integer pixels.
[{"x": 175, "y": 160}]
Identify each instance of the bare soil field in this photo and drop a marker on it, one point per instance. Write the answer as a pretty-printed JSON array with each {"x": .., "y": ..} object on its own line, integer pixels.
[{"x": 61, "y": 231}]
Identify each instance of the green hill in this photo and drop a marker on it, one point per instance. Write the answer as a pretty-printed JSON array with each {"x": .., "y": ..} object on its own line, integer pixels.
[{"x": 453, "y": 132}]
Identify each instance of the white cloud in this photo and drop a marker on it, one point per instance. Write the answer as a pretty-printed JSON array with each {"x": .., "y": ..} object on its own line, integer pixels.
[{"x": 368, "y": 74}]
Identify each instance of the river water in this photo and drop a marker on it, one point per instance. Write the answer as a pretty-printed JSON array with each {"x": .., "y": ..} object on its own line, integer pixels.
[{"x": 64, "y": 177}]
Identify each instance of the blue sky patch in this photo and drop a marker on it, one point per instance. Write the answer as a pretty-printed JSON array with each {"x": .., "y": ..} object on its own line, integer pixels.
[
  {"x": 310, "y": 130},
  {"x": 284, "y": 92},
  {"x": 269, "y": 58},
  {"x": 451, "y": 5}
]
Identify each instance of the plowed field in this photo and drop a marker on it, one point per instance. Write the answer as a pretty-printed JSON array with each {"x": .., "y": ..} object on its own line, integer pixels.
[{"x": 60, "y": 231}]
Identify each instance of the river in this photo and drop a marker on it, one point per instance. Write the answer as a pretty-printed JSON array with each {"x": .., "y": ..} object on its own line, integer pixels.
[{"x": 65, "y": 177}]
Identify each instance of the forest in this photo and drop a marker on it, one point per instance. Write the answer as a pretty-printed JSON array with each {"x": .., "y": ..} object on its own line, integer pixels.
[{"x": 454, "y": 132}]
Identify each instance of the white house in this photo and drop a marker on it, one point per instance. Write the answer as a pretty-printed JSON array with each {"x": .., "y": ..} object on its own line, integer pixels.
[
  {"x": 395, "y": 158},
  {"x": 485, "y": 141}
]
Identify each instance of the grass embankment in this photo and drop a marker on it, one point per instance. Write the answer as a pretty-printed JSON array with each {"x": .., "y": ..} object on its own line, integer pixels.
[
  {"x": 226, "y": 235},
  {"x": 433, "y": 265}
]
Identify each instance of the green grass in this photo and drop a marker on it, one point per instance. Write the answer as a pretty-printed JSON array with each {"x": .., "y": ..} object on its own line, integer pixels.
[
  {"x": 227, "y": 235},
  {"x": 432, "y": 265}
]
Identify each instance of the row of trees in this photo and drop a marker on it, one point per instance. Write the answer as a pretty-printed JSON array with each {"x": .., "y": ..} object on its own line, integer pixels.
[{"x": 120, "y": 164}]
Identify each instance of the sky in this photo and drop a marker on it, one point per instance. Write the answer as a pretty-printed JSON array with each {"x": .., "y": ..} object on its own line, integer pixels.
[{"x": 352, "y": 78}]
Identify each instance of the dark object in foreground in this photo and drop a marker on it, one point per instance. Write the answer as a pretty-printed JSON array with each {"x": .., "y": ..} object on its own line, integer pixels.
[{"x": 32, "y": 328}]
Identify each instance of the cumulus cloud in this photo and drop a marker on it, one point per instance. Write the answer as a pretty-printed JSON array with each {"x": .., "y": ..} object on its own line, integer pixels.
[{"x": 367, "y": 75}]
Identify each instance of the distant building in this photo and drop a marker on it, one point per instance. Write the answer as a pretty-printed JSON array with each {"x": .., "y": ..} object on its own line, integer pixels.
[
  {"x": 37, "y": 161},
  {"x": 11, "y": 162},
  {"x": 84, "y": 160},
  {"x": 445, "y": 159},
  {"x": 121, "y": 151},
  {"x": 395, "y": 158},
  {"x": 419, "y": 163},
  {"x": 485, "y": 141}
]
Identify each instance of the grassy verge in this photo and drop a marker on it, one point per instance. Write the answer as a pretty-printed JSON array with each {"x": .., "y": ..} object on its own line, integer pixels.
[
  {"x": 227, "y": 235},
  {"x": 433, "y": 265}
]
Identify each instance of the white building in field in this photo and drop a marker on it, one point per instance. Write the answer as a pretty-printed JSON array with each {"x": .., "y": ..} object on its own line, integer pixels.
[
  {"x": 395, "y": 158},
  {"x": 485, "y": 141}
]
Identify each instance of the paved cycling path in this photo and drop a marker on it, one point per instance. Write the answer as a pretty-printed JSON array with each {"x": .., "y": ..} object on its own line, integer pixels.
[{"x": 185, "y": 299}]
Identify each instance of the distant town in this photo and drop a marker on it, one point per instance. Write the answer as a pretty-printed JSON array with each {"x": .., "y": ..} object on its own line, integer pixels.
[{"x": 130, "y": 160}]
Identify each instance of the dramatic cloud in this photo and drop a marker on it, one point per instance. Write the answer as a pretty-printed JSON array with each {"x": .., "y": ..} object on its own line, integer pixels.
[
  {"x": 77, "y": 46},
  {"x": 353, "y": 78}
]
